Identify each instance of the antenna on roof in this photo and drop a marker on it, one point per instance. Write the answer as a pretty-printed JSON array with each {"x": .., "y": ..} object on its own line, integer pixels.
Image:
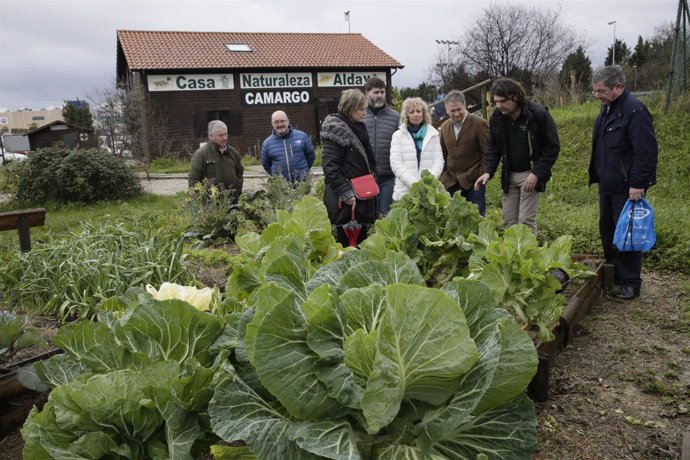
[{"x": 347, "y": 18}]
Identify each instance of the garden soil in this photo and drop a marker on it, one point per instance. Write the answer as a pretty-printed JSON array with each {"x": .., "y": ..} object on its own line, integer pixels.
[{"x": 620, "y": 390}]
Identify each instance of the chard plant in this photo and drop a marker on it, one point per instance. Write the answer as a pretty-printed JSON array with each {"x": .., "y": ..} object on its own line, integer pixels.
[
  {"x": 431, "y": 227},
  {"x": 517, "y": 270}
]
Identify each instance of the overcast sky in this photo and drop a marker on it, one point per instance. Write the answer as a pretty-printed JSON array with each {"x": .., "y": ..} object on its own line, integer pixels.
[{"x": 52, "y": 50}]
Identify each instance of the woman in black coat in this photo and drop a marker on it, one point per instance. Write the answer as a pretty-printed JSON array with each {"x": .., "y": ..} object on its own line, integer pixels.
[{"x": 347, "y": 154}]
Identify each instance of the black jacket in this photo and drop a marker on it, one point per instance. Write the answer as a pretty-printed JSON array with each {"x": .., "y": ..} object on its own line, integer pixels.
[
  {"x": 628, "y": 145},
  {"x": 346, "y": 154},
  {"x": 543, "y": 140}
]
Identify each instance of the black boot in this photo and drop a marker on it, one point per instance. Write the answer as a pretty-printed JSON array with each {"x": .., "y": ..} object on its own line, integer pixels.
[{"x": 627, "y": 292}]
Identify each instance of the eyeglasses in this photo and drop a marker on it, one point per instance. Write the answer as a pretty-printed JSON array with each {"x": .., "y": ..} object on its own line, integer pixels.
[{"x": 599, "y": 92}]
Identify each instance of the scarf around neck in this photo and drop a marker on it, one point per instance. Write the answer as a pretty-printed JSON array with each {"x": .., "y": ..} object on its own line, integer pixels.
[{"x": 418, "y": 133}]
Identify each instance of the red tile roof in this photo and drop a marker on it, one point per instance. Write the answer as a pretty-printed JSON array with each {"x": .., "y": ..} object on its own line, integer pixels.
[{"x": 146, "y": 50}]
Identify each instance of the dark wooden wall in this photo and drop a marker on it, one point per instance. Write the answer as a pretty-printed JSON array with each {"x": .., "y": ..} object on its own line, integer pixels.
[
  {"x": 68, "y": 137},
  {"x": 180, "y": 117}
]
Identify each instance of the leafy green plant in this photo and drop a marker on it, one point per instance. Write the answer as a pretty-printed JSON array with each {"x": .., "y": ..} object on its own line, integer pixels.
[
  {"x": 68, "y": 277},
  {"x": 358, "y": 359},
  {"x": 365, "y": 362},
  {"x": 430, "y": 227},
  {"x": 76, "y": 175},
  {"x": 15, "y": 336},
  {"x": 300, "y": 239},
  {"x": 517, "y": 270},
  {"x": 134, "y": 385},
  {"x": 208, "y": 207},
  {"x": 257, "y": 209}
]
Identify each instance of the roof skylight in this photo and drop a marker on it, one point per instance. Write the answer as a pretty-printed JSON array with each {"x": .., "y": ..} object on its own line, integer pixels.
[{"x": 241, "y": 47}]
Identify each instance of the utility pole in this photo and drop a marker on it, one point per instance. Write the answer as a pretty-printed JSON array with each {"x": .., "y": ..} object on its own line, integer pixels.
[
  {"x": 613, "y": 56},
  {"x": 678, "y": 72}
]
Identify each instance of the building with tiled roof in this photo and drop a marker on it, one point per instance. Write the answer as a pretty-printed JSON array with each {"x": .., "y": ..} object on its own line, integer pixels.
[{"x": 191, "y": 78}]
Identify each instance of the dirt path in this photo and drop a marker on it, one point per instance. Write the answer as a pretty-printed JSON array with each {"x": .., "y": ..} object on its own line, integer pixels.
[{"x": 621, "y": 390}]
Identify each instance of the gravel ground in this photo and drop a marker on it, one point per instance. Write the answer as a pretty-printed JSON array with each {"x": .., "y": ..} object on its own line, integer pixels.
[{"x": 170, "y": 184}]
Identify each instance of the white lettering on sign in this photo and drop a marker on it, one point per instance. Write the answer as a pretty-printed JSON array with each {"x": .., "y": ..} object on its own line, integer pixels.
[
  {"x": 275, "y": 80},
  {"x": 325, "y": 79},
  {"x": 190, "y": 82},
  {"x": 276, "y": 97}
]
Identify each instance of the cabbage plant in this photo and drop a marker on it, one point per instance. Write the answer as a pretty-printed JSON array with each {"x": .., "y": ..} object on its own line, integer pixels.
[
  {"x": 134, "y": 385},
  {"x": 365, "y": 362}
]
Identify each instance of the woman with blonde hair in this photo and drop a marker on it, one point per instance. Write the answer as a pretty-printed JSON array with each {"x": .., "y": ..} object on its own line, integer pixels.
[
  {"x": 347, "y": 154},
  {"x": 415, "y": 147}
]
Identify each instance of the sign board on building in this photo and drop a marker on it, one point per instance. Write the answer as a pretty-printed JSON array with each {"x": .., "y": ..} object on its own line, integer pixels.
[
  {"x": 276, "y": 97},
  {"x": 191, "y": 82},
  {"x": 275, "y": 80},
  {"x": 4, "y": 120},
  {"x": 326, "y": 79}
]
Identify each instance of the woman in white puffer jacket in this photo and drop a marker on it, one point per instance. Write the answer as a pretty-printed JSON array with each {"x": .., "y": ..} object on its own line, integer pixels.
[{"x": 415, "y": 146}]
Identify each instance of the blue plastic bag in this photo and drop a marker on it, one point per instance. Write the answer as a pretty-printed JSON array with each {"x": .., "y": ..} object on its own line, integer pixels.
[{"x": 635, "y": 228}]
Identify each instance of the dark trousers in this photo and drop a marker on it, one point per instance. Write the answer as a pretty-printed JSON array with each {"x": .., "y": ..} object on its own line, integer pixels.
[
  {"x": 477, "y": 197},
  {"x": 627, "y": 265}
]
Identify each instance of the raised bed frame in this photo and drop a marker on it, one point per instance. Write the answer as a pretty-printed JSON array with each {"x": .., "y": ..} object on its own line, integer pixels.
[{"x": 576, "y": 308}]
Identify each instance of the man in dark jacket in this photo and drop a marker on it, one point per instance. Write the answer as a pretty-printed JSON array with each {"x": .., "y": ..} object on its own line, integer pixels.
[
  {"x": 287, "y": 151},
  {"x": 524, "y": 136},
  {"x": 217, "y": 161},
  {"x": 623, "y": 163},
  {"x": 381, "y": 122}
]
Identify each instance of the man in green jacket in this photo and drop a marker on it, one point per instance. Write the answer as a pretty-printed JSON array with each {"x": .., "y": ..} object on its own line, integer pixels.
[{"x": 217, "y": 161}]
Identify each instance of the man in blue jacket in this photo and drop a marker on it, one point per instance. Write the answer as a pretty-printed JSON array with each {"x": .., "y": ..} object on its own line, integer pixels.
[
  {"x": 623, "y": 163},
  {"x": 287, "y": 151}
]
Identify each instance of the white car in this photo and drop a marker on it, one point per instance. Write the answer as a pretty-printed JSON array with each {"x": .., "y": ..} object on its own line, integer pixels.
[{"x": 11, "y": 156}]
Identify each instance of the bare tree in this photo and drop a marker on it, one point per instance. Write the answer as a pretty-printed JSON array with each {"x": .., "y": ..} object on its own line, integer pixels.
[
  {"x": 126, "y": 120},
  {"x": 518, "y": 41}
]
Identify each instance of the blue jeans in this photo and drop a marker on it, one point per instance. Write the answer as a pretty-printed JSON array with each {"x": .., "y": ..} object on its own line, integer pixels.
[
  {"x": 386, "y": 185},
  {"x": 477, "y": 197}
]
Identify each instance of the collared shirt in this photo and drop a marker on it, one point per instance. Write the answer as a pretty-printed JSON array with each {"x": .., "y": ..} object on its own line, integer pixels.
[{"x": 458, "y": 127}]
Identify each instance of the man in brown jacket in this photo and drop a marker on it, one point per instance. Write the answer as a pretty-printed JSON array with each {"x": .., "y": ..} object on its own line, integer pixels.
[{"x": 463, "y": 141}]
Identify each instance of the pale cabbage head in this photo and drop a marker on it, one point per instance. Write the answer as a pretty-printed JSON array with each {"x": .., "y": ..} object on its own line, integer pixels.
[{"x": 199, "y": 298}]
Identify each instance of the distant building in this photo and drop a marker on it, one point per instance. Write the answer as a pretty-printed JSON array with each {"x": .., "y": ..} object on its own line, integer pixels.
[
  {"x": 191, "y": 78},
  {"x": 61, "y": 132},
  {"x": 27, "y": 119}
]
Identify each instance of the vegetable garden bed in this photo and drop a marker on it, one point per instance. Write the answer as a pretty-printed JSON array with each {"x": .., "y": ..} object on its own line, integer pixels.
[
  {"x": 577, "y": 307},
  {"x": 16, "y": 400}
]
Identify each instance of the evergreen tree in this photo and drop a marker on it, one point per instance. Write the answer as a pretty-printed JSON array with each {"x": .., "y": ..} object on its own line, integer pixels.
[
  {"x": 577, "y": 67},
  {"x": 622, "y": 53},
  {"x": 641, "y": 53},
  {"x": 77, "y": 113}
]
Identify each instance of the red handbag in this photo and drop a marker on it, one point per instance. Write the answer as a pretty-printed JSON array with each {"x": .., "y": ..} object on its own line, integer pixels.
[{"x": 365, "y": 187}]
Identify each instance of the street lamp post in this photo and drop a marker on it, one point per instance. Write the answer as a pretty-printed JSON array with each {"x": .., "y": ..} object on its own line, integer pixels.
[
  {"x": 446, "y": 65},
  {"x": 613, "y": 56},
  {"x": 634, "y": 78}
]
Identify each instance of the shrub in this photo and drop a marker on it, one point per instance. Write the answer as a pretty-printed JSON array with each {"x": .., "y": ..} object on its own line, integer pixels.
[{"x": 76, "y": 175}]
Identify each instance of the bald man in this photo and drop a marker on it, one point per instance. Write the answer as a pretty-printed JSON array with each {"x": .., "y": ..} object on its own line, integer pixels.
[{"x": 287, "y": 151}]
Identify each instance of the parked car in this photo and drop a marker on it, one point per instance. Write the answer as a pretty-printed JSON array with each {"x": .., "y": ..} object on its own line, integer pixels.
[{"x": 13, "y": 156}]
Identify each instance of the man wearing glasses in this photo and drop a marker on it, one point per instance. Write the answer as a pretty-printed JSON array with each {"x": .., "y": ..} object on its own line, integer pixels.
[
  {"x": 523, "y": 136},
  {"x": 623, "y": 163},
  {"x": 287, "y": 151}
]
